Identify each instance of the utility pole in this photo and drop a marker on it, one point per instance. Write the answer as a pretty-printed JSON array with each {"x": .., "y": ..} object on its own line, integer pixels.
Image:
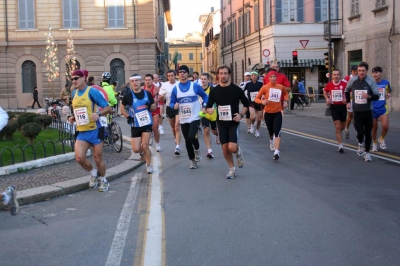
[{"x": 329, "y": 41}]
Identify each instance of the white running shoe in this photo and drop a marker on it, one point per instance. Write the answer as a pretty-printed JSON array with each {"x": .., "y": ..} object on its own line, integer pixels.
[
  {"x": 257, "y": 134},
  {"x": 149, "y": 169},
  {"x": 382, "y": 144},
  {"x": 94, "y": 181},
  {"x": 374, "y": 146},
  {"x": 158, "y": 147},
  {"x": 104, "y": 185},
  {"x": 276, "y": 155},
  {"x": 251, "y": 129},
  {"x": 271, "y": 145},
  {"x": 161, "y": 130},
  {"x": 239, "y": 158},
  {"x": 197, "y": 155},
  {"x": 248, "y": 130},
  {"x": 177, "y": 151},
  {"x": 341, "y": 149},
  {"x": 360, "y": 151},
  {"x": 367, "y": 157},
  {"x": 9, "y": 197},
  {"x": 231, "y": 174},
  {"x": 193, "y": 164}
]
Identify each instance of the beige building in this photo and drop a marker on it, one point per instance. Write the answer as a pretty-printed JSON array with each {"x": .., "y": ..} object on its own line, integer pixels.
[
  {"x": 189, "y": 52},
  {"x": 118, "y": 36},
  {"x": 368, "y": 31}
]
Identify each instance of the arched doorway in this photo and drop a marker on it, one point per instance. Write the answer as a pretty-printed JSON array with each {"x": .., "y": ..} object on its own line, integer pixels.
[{"x": 117, "y": 70}]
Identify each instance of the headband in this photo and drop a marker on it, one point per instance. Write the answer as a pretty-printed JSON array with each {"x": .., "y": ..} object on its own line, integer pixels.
[
  {"x": 135, "y": 77},
  {"x": 254, "y": 72}
]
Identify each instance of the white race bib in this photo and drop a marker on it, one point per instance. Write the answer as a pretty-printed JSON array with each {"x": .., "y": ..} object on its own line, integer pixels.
[
  {"x": 382, "y": 94},
  {"x": 103, "y": 121},
  {"x": 274, "y": 95},
  {"x": 143, "y": 118},
  {"x": 337, "y": 95},
  {"x": 186, "y": 110},
  {"x": 359, "y": 99},
  {"x": 81, "y": 116},
  {"x": 225, "y": 113},
  {"x": 253, "y": 95}
]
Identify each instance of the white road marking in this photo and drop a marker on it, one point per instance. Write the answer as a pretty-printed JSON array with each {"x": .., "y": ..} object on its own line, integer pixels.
[
  {"x": 153, "y": 247},
  {"x": 117, "y": 246}
]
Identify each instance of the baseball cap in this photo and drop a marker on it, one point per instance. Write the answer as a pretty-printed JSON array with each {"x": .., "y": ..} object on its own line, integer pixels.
[
  {"x": 353, "y": 67},
  {"x": 377, "y": 69},
  {"x": 184, "y": 67},
  {"x": 247, "y": 74}
]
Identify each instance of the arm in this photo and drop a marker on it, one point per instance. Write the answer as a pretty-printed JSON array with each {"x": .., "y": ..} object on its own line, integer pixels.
[
  {"x": 326, "y": 97},
  {"x": 259, "y": 95},
  {"x": 173, "y": 99},
  {"x": 152, "y": 104},
  {"x": 199, "y": 91},
  {"x": 374, "y": 88}
]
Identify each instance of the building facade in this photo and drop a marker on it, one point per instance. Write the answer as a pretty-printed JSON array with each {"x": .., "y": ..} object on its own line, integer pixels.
[
  {"x": 258, "y": 32},
  {"x": 189, "y": 52},
  {"x": 118, "y": 36}
]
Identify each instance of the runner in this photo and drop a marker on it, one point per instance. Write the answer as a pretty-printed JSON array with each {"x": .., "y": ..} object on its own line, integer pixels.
[
  {"x": 363, "y": 90},
  {"x": 334, "y": 96},
  {"x": 226, "y": 96},
  {"x": 172, "y": 115},
  {"x": 349, "y": 110},
  {"x": 380, "y": 110},
  {"x": 280, "y": 78},
  {"x": 251, "y": 90},
  {"x": 109, "y": 89},
  {"x": 208, "y": 121},
  {"x": 150, "y": 87},
  {"x": 140, "y": 104},
  {"x": 157, "y": 82},
  {"x": 242, "y": 85},
  {"x": 89, "y": 130},
  {"x": 273, "y": 95},
  {"x": 185, "y": 98}
]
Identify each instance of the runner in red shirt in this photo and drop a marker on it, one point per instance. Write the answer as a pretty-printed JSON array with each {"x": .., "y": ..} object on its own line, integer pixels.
[
  {"x": 335, "y": 98},
  {"x": 153, "y": 89}
]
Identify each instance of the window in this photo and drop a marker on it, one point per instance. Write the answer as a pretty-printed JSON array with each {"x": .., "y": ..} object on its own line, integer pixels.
[
  {"x": 267, "y": 12},
  {"x": 289, "y": 10},
  {"x": 355, "y": 57},
  {"x": 28, "y": 76},
  {"x": 240, "y": 27},
  {"x": 229, "y": 32},
  {"x": 247, "y": 28},
  {"x": 26, "y": 14},
  {"x": 117, "y": 71},
  {"x": 234, "y": 32},
  {"x": 354, "y": 8},
  {"x": 380, "y": 3},
  {"x": 71, "y": 13},
  {"x": 191, "y": 56},
  {"x": 115, "y": 13},
  {"x": 179, "y": 56},
  {"x": 321, "y": 10},
  {"x": 256, "y": 17},
  {"x": 170, "y": 57},
  {"x": 190, "y": 70},
  {"x": 201, "y": 56},
  {"x": 236, "y": 71},
  {"x": 201, "y": 70}
]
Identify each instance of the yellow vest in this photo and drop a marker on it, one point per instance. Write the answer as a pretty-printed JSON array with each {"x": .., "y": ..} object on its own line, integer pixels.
[
  {"x": 212, "y": 117},
  {"x": 83, "y": 111}
]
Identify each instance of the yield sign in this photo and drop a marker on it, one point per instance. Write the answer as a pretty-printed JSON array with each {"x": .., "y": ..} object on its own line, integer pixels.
[{"x": 304, "y": 43}]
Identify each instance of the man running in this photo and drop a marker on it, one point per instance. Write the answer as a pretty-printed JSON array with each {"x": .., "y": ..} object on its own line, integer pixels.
[
  {"x": 280, "y": 78},
  {"x": 256, "y": 109},
  {"x": 226, "y": 96},
  {"x": 157, "y": 82},
  {"x": 184, "y": 97},
  {"x": 335, "y": 99},
  {"x": 150, "y": 87},
  {"x": 140, "y": 104},
  {"x": 89, "y": 131},
  {"x": 273, "y": 95},
  {"x": 242, "y": 85},
  {"x": 363, "y": 90},
  {"x": 208, "y": 121},
  {"x": 349, "y": 110},
  {"x": 109, "y": 89},
  {"x": 172, "y": 114},
  {"x": 380, "y": 110}
]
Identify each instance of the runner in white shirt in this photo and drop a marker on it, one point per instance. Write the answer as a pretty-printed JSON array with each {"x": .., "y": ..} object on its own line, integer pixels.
[{"x": 157, "y": 83}]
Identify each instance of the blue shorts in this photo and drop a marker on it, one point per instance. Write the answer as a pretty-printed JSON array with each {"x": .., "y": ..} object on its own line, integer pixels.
[
  {"x": 377, "y": 112},
  {"x": 91, "y": 136}
]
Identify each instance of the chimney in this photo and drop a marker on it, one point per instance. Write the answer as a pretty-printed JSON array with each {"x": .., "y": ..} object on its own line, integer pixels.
[{"x": 212, "y": 9}]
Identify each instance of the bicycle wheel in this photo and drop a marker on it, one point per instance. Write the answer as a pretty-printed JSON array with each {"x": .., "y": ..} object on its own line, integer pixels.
[
  {"x": 308, "y": 100},
  {"x": 116, "y": 137}
]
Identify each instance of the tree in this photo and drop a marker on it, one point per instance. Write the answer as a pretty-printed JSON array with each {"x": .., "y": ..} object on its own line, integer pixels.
[
  {"x": 51, "y": 60},
  {"x": 70, "y": 58}
]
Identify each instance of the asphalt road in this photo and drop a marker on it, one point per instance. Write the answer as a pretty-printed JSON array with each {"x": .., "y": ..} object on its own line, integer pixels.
[{"x": 312, "y": 207}]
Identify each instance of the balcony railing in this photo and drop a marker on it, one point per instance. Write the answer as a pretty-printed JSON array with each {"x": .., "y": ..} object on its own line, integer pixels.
[{"x": 336, "y": 29}]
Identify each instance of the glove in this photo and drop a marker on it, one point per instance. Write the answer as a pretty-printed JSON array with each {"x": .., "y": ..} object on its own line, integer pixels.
[{"x": 129, "y": 120}]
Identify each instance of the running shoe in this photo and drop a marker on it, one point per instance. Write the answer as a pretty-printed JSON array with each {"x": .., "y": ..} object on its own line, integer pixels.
[
  {"x": 151, "y": 139},
  {"x": 248, "y": 130},
  {"x": 149, "y": 169},
  {"x": 251, "y": 129},
  {"x": 341, "y": 149},
  {"x": 197, "y": 155},
  {"x": 217, "y": 140},
  {"x": 382, "y": 144},
  {"x": 161, "y": 130},
  {"x": 257, "y": 134},
  {"x": 158, "y": 147},
  {"x": 374, "y": 146},
  {"x": 193, "y": 164},
  {"x": 210, "y": 155},
  {"x": 347, "y": 134},
  {"x": 231, "y": 174},
  {"x": 10, "y": 198},
  {"x": 177, "y": 151},
  {"x": 276, "y": 155},
  {"x": 239, "y": 158},
  {"x": 367, "y": 157},
  {"x": 94, "y": 180},
  {"x": 360, "y": 151},
  {"x": 142, "y": 159},
  {"x": 271, "y": 145},
  {"x": 104, "y": 185}
]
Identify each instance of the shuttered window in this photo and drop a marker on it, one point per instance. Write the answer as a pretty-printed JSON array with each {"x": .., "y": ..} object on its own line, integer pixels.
[
  {"x": 256, "y": 17},
  {"x": 26, "y": 14},
  {"x": 71, "y": 14},
  {"x": 115, "y": 13}
]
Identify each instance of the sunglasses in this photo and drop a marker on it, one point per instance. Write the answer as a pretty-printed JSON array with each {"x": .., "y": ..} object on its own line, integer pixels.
[
  {"x": 182, "y": 71},
  {"x": 76, "y": 78}
]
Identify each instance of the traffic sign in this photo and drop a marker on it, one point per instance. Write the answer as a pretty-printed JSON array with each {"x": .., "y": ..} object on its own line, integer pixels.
[
  {"x": 266, "y": 53},
  {"x": 304, "y": 43},
  {"x": 265, "y": 60}
]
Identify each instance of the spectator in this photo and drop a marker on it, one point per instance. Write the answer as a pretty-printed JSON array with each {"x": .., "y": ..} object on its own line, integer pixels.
[{"x": 35, "y": 95}]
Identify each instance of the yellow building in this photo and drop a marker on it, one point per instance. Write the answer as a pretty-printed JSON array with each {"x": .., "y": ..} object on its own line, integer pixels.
[
  {"x": 189, "y": 52},
  {"x": 119, "y": 36}
]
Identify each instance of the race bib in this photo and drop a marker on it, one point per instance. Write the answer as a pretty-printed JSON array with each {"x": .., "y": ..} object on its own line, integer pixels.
[
  {"x": 359, "y": 99},
  {"x": 186, "y": 110},
  {"x": 253, "y": 95},
  {"x": 337, "y": 95},
  {"x": 382, "y": 94},
  {"x": 103, "y": 121},
  {"x": 143, "y": 118},
  {"x": 81, "y": 116},
  {"x": 274, "y": 95},
  {"x": 225, "y": 113}
]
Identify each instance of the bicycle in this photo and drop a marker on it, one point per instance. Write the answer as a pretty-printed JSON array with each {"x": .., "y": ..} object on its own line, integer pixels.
[{"x": 113, "y": 134}]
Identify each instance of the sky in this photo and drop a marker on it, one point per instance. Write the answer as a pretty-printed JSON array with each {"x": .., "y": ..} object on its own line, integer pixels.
[{"x": 185, "y": 15}]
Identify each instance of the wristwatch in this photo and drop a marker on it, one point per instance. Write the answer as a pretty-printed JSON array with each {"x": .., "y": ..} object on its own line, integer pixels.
[
  {"x": 241, "y": 115},
  {"x": 98, "y": 112}
]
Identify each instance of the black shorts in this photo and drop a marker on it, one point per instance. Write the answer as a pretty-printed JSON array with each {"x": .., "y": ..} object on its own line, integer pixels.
[
  {"x": 171, "y": 113},
  {"x": 338, "y": 112},
  {"x": 228, "y": 131},
  {"x": 256, "y": 106},
  {"x": 207, "y": 123},
  {"x": 136, "y": 132}
]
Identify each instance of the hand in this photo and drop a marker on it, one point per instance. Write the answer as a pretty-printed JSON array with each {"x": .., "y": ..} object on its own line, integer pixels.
[
  {"x": 344, "y": 101},
  {"x": 328, "y": 101},
  {"x": 365, "y": 95},
  {"x": 237, "y": 117},
  {"x": 210, "y": 111},
  {"x": 388, "y": 95},
  {"x": 264, "y": 102},
  {"x": 348, "y": 105},
  {"x": 94, "y": 116},
  {"x": 176, "y": 106},
  {"x": 284, "y": 104},
  {"x": 129, "y": 120}
]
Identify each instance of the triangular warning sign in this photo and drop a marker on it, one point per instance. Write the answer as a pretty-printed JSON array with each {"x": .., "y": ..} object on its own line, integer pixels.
[{"x": 304, "y": 43}]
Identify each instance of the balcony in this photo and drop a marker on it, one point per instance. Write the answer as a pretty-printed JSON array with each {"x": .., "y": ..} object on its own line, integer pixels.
[{"x": 336, "y": 29}]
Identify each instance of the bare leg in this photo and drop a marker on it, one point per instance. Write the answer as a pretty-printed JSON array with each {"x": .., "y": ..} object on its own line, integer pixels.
[
  {"x": 81, "y": 148},
  {"x": 98, "y": 158},
  {"x": 385, "y": 125},
  {"x": 156, "y": 120},
  {"x": 207, "y": 138}
]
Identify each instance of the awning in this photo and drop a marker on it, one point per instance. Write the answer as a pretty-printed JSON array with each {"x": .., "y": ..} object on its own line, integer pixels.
[{"x": 302, "y": 63}]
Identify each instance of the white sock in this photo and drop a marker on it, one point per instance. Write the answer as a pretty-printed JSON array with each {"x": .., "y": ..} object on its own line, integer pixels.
[
  {"x": 233, "y": 168},
  {"x": 209, "y": 150},
  {"x": 177, "y": 146},
  {"x": 6, "y": 198},
  {"x": 103, "y": 179},
  {"x": 93, "y": 172}
]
